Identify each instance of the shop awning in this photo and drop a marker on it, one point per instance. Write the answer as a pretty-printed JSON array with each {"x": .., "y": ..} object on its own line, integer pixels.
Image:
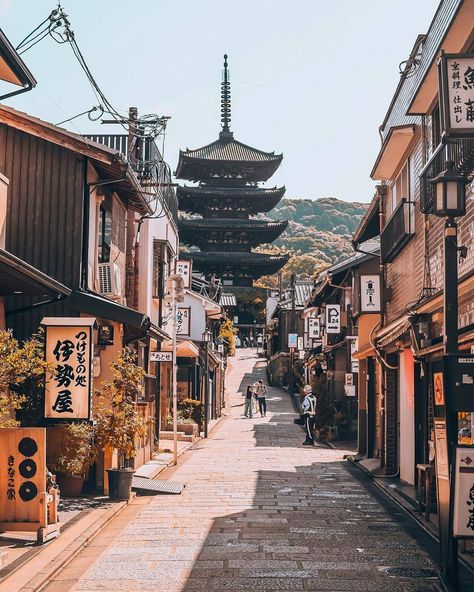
[
  {"x": 393, "y": 151},
  {"x": 214, "y": 359},
  {"x": 18, "y": 277},
  {"x": 88, "y": 302},
  {"x": 184, "y": 349},
  {"x": 392, "y": 331}
]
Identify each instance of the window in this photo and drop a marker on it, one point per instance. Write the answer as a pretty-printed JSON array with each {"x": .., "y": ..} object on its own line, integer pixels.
[
  {"x": 435, "y": 128},
  {"x": 105, "y": 235},
  {"x": 400, "y": 188},
  {"x": 159, "y": 269}
]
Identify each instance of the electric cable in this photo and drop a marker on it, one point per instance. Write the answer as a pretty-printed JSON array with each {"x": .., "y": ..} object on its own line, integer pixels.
[{"x": 88, "y": 112}]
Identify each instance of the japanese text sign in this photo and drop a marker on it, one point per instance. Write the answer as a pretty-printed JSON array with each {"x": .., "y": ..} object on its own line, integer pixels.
[
  {"x": 161, "y": 356},
  {"x": 183, "y": 268},
  {"x": 314, "y": 328},
  {"x": 457, "y": 94},
  {"x": 333, "y": 318},
  {"x": 22, "y": 473},
  {"x": 183, "y": 321},
  {"x": 69, "y": 351},
  {"x": 463, "y": 520},
  {"x": 370, "y": 293}
]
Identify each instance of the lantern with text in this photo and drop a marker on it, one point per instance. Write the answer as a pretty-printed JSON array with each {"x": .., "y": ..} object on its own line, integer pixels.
[{"x": 450, "y": 193}]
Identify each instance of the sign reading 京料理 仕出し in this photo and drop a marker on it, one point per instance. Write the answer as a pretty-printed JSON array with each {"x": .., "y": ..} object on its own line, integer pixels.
[{"x": 69, "y": 352}]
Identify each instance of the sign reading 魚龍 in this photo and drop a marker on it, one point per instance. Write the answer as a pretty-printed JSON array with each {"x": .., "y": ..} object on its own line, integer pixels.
[
  {"x": 457, "y": 94},
  {"x": 463, "y": 519},
  {"x": 69, "y": 353},
  {"x": 333, "y": 318},
  {"x": 183, "y": 268}
]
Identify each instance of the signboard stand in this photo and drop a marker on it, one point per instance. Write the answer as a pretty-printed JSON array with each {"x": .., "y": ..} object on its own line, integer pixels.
[{"x": 27, "y": 505}]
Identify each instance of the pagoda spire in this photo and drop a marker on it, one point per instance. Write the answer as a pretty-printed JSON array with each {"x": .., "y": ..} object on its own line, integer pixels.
[{"x": 225, "y": 101}]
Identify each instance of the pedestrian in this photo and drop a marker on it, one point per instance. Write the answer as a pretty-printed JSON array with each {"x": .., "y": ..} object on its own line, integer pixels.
[
  {"x": 309, "y": 413},
  {"x": 261, "y": 393},
  {"x": 248, "y": 411}
]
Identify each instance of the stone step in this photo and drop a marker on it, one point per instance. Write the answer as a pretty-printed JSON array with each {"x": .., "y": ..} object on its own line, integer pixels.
[{"x": 182, "y": 437}]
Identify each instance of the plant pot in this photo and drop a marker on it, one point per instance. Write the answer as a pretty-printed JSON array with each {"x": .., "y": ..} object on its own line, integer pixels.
[
  {"x": 70, "y": 485},
  {"x": 120, "y": 483}
]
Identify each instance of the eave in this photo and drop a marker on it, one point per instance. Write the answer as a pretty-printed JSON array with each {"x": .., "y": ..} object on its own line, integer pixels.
[
  {"x": 394, "y": 151},
  {"x": 13, "y": 69},
  {"x": 369, "y": 226}
]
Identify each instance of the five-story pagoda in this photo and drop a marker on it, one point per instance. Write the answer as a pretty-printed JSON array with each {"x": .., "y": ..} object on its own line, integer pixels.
[{"x": 228, "y": 173}]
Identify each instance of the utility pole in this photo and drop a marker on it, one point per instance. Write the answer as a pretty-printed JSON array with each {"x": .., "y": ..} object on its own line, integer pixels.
[{"x": 292, "y": 349}]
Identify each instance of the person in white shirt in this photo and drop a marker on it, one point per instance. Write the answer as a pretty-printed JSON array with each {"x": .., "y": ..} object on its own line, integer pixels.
[{"x": 309, "y": 412}]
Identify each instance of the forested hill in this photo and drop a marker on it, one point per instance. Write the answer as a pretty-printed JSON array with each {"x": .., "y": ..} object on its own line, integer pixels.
[{"x": 319, "y": 232}]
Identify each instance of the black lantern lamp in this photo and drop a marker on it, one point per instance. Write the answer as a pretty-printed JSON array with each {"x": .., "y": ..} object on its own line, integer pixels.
[
  {"x": 450, "y": 193},
  {"x": 206, "y": 336}
]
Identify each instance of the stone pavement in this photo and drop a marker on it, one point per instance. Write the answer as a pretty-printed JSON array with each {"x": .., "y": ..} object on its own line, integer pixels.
[{"x": 259, "y": 512}]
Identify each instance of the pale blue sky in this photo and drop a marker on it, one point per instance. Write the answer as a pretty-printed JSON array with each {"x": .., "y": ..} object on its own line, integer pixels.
[{"x": 310, "y": 78}]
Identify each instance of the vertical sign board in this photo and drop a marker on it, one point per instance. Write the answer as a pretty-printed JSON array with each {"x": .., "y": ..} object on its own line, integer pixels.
[
  {"x": 183, "y": 321},
  {"x": 354, "y": 349},
  {"x": 456, "y": 92},
  {"x": 22, "y": 475},
  {"x": 300, "y": 343},
  {"x": 370, "y": 293},
  {"x": 292, "y": 340},
  {"x": 442, "y": 481},
  {"x": 463, "y": 519},
  {"x": 314, "y": 328},
  {"x": 183, "y": 268},
  {"x": 69, "y": 351},
  {"x": 333, "y": 318}
]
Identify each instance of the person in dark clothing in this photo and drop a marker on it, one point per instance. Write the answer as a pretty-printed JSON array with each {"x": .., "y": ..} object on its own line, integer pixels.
[
  {"x": 248, "y": 412},
  {"x": 309, "y": 412},
  {"x": 261, "y": 392}
]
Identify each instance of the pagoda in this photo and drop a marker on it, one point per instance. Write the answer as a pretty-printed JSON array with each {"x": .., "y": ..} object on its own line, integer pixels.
[{"x": 227, "y": 174}]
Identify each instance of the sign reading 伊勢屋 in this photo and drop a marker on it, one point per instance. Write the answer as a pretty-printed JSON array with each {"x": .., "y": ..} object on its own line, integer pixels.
[
  {"x": 456, "y": 79},
  {"x": 68, "y": 387}
]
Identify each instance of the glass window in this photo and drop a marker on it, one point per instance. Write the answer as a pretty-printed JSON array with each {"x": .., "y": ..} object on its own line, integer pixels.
[{"x": 105, "y": 235}]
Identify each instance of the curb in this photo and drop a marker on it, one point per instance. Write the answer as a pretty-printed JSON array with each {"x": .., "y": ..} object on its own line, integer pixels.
[{"x": 32, "y": 578}]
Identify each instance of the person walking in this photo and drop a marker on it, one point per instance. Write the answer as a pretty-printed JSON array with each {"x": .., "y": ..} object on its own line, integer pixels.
[
  {"x": 248, "y": 411},
  {"x": 261, "y": 392},
  {"x": 309, "y": 412}
]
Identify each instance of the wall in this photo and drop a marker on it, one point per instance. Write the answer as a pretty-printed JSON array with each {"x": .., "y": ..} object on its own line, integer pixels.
[{"x": 406, "y": 415}]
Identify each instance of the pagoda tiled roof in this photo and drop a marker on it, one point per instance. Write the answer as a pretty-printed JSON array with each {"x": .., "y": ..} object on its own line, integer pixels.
[
  {"x": 228, "y": 149},
  {"x": 232, "y": 224},
  {"x": 242, "y": 191}
]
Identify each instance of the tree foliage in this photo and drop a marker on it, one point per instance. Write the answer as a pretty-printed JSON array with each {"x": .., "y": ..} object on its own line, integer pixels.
[{"x": 226, "y": 331}]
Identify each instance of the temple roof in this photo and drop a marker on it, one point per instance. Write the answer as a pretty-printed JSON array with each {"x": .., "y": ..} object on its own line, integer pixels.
[
  {"x": 254, "y": 199},
  {"x": 271, "y": 263},
  {"x": 198, "y": 231}
]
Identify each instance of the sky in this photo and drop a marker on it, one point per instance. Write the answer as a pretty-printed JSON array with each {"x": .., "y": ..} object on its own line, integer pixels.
[{"x": 311, "y": 79}]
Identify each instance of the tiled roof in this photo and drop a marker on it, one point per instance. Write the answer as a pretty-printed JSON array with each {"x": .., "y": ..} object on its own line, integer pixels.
[
  {"x": 228, "y": 149},
  {"x": 227, "y": 299},
  {"x": 232, "y": 224},
  {"x": 245, "y": 191},
  {"x": 238, "y": 258}
]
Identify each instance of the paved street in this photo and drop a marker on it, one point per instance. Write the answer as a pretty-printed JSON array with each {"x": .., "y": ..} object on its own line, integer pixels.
[{"x": 259, "y": 512}]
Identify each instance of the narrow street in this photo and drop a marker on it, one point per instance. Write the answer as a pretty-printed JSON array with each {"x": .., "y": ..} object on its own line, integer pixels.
[{"x": 259, "y": 512}]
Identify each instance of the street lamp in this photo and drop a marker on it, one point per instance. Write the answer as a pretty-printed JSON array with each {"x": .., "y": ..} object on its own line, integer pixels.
[
  {"x": 206, "y": 338},
  {"x": 449, "y": 203},
  {"x": 450, "y": 193},
  {"x": 174, "y": 294}
]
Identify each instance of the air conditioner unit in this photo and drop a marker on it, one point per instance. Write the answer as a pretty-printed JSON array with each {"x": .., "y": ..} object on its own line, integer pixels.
[{"x": 110, "y": 279}]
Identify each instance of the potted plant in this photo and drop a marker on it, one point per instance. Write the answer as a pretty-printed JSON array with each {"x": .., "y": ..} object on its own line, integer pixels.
[
  {"x": 75, "y": 454},
  {"x": 119, "y": 425}
]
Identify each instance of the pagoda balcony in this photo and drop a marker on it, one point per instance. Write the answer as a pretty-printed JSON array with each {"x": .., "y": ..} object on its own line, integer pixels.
[
  {"x": 230, "y": 202},
  {"x": 237, "y": 264},
  {"x": 204, "y": 231}
]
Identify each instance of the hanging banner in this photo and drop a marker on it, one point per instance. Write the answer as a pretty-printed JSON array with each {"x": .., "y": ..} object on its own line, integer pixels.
[
  {"x": 183, "y": 268},
  {"x": 370, "y": 293},
  {"x": 333, "y": 318},
  {"x": 314, "y": 328},
  {"x": 463, "y": 519},
  {"x": 69, "y": 351},
  {"x": 456, "y": 93},
  {"x": 183, "y": 321}
]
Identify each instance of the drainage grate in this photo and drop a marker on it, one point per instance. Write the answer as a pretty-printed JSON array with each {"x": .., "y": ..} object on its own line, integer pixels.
[
  {"x": 144, "y": 486},
  {"x": 411, "y": 572}
]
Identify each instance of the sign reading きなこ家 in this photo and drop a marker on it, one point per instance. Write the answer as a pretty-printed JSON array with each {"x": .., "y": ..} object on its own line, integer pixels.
[{"x": 69, "y": 352}]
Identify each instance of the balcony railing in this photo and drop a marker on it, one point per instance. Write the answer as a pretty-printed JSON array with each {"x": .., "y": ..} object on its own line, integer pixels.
[
  {"x": 461, "y": 151},
  {"x": 397, "y": 231}
]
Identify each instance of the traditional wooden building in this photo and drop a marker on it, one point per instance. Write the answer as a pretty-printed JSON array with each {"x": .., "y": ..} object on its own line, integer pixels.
[{"x": 228, "y": 193}]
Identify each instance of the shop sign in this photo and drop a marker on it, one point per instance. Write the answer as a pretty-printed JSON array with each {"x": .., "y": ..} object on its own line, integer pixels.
[
  {"x": 301, "y": 354},
  {"x": 292, "y": 340},
  {"x": 370, "y": 293},
  {"x": 220, "y": 348},
  {"x": 350, "y": 390},
  {"x": 69, "y": 352},
  {"x": 314, "y": 328},
  {"x": 456, "y": 94},
  {"x": 463, "y": 519},
  {"x": 161, "y": 356},
  {"x": 333, "y": 318},
  {"x": 438, "y": 388},
  {"x": 441, "y": 448},
  {"x": 183, "y": 268},
  {"x": 349, "y": 379},
  {"x": 300, "y": 343},
  {"x": 183, "y": 321}
]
